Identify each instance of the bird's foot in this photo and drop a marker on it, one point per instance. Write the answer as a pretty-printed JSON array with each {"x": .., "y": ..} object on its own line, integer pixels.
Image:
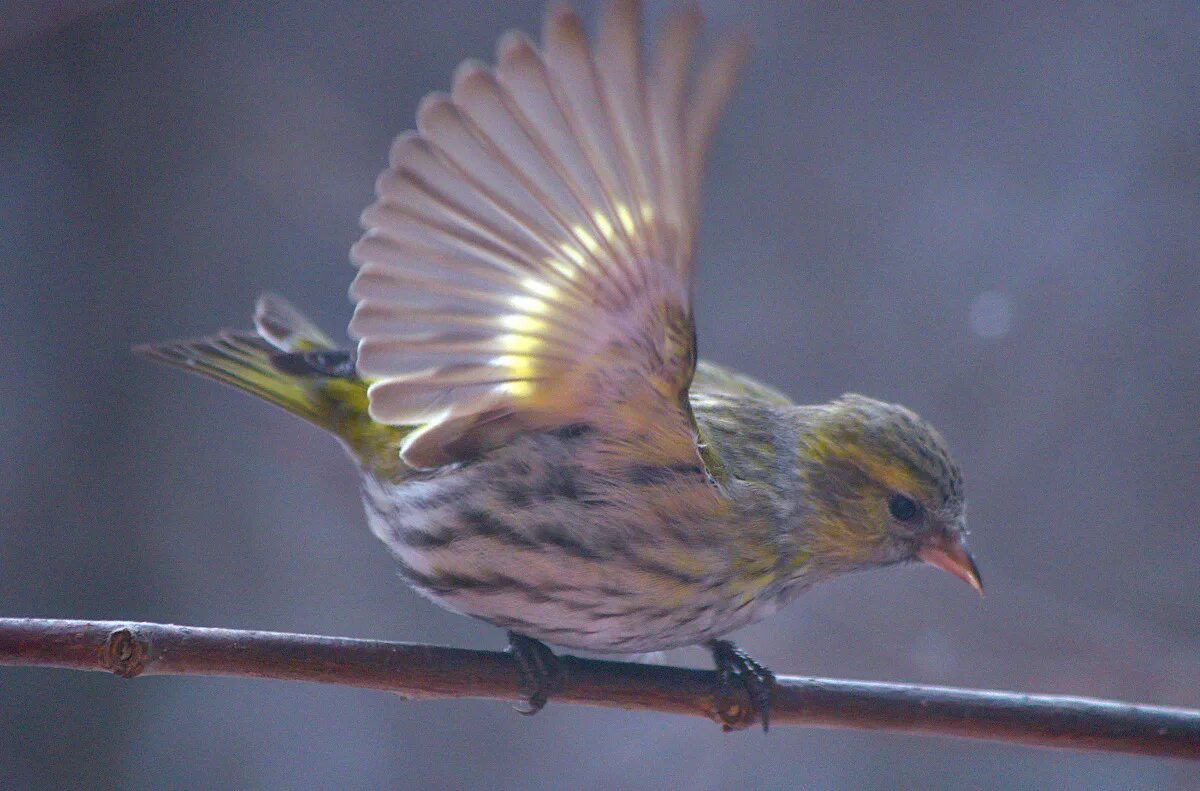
[
  {"x": 540, "y": 671},
  {"x": 736, "y": 668}
]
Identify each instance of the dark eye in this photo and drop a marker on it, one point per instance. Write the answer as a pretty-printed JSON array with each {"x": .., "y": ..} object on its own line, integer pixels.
[{"x": 903, "y": 508}]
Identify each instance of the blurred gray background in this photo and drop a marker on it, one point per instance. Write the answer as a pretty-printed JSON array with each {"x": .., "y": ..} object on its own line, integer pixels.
[{"x": 991, "y": 215}]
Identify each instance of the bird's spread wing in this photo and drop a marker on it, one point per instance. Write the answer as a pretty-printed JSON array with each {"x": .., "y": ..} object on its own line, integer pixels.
[{"x": 528, "y": 262}]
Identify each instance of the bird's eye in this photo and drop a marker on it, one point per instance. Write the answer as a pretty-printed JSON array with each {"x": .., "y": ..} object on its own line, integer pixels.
[{"x": 903, "y": 508}]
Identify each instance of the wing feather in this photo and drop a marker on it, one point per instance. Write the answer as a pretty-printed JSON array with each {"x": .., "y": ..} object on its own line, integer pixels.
[{"x": 528, "y": 259}]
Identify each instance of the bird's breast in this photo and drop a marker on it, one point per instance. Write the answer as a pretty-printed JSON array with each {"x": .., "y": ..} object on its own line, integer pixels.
[{"x": 626, "y": 558}]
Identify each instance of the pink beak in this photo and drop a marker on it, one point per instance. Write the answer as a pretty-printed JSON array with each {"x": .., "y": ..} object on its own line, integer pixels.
[{"x": 951, "y": 555}]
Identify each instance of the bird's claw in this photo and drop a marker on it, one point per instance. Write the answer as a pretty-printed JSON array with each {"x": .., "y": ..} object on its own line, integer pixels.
[
  {"x": 540, "y": 672},
  {"x": 736, "y": 667}
]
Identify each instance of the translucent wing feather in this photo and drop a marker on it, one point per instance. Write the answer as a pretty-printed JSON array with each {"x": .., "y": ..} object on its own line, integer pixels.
[{"x": 528, "y": 260}]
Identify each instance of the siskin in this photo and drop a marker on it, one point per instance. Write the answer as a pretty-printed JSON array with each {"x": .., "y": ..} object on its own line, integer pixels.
[{"x": 539, "y": 445}]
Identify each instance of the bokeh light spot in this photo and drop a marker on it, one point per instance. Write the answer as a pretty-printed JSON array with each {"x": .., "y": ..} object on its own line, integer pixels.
[{"x": 990, "y": 315}]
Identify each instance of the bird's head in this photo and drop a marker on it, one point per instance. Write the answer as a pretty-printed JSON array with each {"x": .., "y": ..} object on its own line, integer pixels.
[{"x": 880, "y": 488}]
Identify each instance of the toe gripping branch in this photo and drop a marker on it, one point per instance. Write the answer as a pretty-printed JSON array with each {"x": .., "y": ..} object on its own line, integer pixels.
[
  {"x": 738, "y": 671},
  {"x": 541, "y": 672},
  {"x": 742, "y": 696}
]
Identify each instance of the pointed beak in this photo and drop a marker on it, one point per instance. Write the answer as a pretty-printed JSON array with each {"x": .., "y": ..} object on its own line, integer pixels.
[{"x": 950, "y": 554}]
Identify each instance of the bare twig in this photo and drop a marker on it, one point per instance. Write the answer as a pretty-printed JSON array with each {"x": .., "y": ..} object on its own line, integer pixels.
[{"x": 133, "y": 649}]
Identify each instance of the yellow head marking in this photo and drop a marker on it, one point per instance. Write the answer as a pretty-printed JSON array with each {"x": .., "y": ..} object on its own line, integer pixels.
[
  {"x": 848, "y": 442},
  {"x": 889, "y": 471},
  {"x": 855, "y": 455}
]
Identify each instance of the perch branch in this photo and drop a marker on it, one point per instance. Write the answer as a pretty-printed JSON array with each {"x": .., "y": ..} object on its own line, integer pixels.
[{"x": 421, "y": 671}]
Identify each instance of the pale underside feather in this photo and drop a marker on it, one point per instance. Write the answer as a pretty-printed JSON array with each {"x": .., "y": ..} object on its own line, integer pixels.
[{"x": 528, "y": 261}]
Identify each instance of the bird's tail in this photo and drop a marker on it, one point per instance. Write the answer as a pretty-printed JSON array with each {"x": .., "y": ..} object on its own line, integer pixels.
[{"x": 289, "y": 362}]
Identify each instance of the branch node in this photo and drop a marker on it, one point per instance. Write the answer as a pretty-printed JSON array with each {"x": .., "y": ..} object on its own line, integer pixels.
[
  {"x": 733, "y": 710},
  {"x": 123, "y": 653}
]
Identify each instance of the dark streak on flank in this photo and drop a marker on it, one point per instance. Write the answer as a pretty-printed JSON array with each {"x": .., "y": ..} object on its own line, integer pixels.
[
  {"x": 653, "y": 474},
  {"x": 445, "y": 583},
  {"x": 420, "y": 539},
  {"x": 560, "y": 482},
  {"x": 448, "y": 584},
  {"x": 675, "y": 575},
  {"x": 686, "y": 535},
  {"x": 515, "y": 493},
  {"x": 433, "y": 501},
  {"x": 557, "y": 537},
  {"x": 523, "y": 626},
  {"x": 481, "y": 523},
  {"x": 572, "y": 431},
  {"x": 518, "y": 467}
]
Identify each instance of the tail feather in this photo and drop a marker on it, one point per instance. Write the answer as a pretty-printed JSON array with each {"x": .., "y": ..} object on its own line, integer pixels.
[
  {"x": 286, "y": 328},
  {"x": 291, "y": 364},
  {"x": 242, "y": 360}
]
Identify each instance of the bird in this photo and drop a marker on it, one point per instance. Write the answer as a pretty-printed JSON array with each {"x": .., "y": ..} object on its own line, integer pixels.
[{"x": 540, "y": 446}]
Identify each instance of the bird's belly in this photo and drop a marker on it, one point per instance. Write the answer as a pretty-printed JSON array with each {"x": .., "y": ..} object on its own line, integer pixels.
[{"x": 544, "y": 551}]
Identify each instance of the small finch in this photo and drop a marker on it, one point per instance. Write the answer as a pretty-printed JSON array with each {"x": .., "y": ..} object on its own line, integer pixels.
[{"x": 540, "y": 447}]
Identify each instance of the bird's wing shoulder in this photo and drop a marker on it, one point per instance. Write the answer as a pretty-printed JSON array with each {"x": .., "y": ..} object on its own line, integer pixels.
[
  {"x": 713, "y": 378},
  {"x": 528, "y": 262}
]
